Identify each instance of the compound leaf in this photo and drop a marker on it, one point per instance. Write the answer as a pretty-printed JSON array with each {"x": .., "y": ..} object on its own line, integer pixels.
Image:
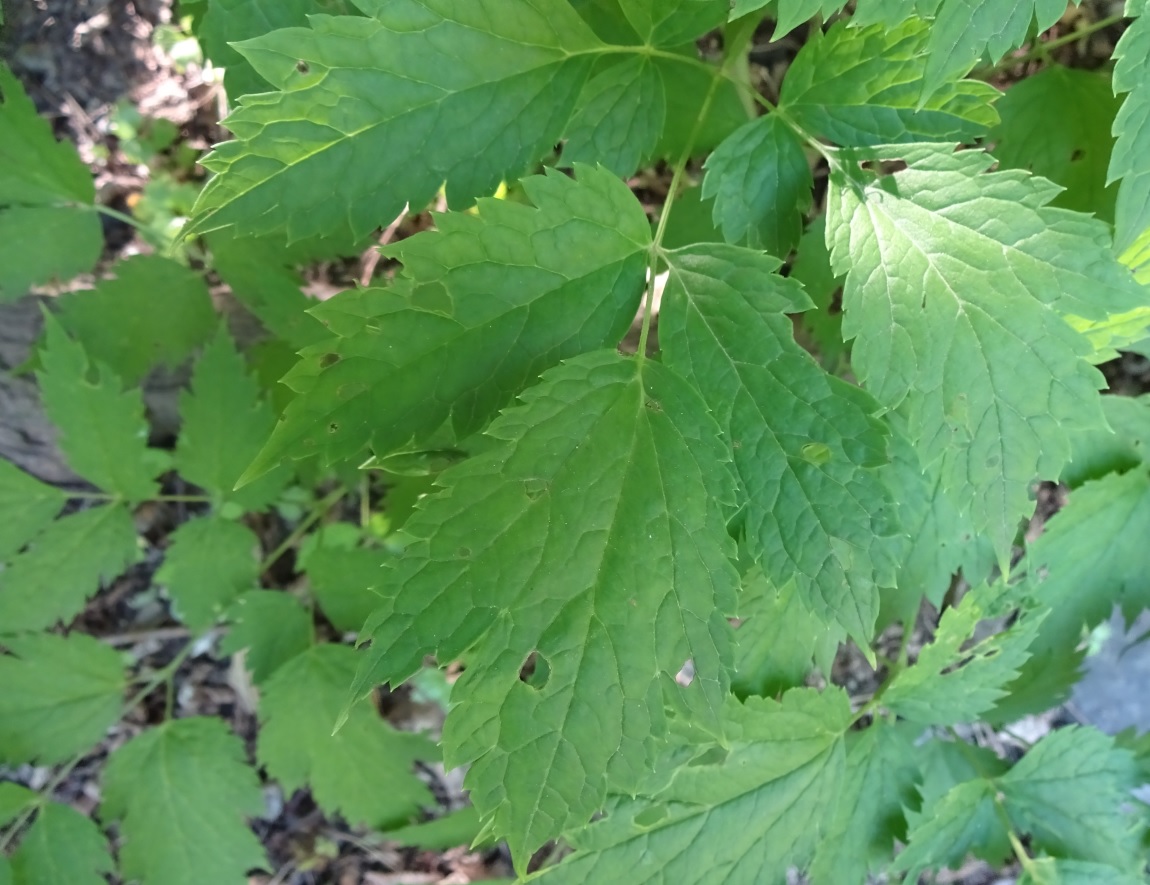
[
  {"x": 805, "y": 445},
  {"x": 1069, "y": 793},
  {"x": 1074, "y": 110},
  {"x": 1121, "y": 446},
  {"x": 791, "y": 13},
  {"x": 743, "y": 813},
  {"x": 1132, "y": 129},
  {"x": 955, "y": 280},
  {"x": 760, "y": 180},
  {"x": 14, "y": 799},
  {"x": 673, "y": 22},
  {"x": 27, "y": 506},
  {"x": 209, "y": 562},
  {"x": 185, "y": 777},
  {"x": 225, "y": 424},
  {"x": 153, "y": 311},
  {"x": 529, "y": 553},
  {"x": 860, "y": 86},
  {"x": 271, "y": 627},
  {"x": 954, "y": 682},
  {"x": 363, "y": 771},
  {"x": 64, "y": 566},
  {"x": 60, "y": 696},
  {"x": 61, "y": 846},
  {"x": 494, "y": 299},
  {"x": 1081, "y": 579},
  {"x": 102, "y": 430},
  {"x": 375, "y": 112},
  {"x": 47, "y": 227}
]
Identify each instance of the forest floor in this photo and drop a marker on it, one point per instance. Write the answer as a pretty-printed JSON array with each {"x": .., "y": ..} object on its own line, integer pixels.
[{"x": 99, "y": 70}]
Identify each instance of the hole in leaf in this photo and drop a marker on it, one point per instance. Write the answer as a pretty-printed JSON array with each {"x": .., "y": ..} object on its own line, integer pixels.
[
  {"x": 816, "y": 453},
  {"x": 653, "y": 405},
  {"x": 328, "y": 359},
  {"x": 648, "y": 817},
  {"x": 883, "y": 167},
  {"x": 333, "y": 427},
  {"x": 535, "y": 671},
  {"x": 302, "y": 66},
  {"x": 686, "y": 674},
  {"x": 1078, "y": 155},
  {"x": 713, "y": 756}
]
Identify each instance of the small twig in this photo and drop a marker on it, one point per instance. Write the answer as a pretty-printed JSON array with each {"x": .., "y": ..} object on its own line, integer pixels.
[
  {"x": 374, "y": 254},
  {"x": 160, "y": 634},
  {"x": 325, "y": 504}
]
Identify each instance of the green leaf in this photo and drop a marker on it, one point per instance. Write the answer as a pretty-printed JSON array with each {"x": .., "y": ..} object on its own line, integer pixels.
[
  {"x": 260, "y": 275},
  {"x": 42, "y": 244},
  {"x": 1121, "y": 446},
  {"x": 454, "y": 828},
  {"x": 102, "y": 429},
  {"x": 225, "y": 424},
  {"x": 805, "y": 444},
  {"x": 14, "y": 799},
  {"x": 185, "y": 777},
  {"x": 964, "y": 30},
  {"x": 60, "y": 696},
  {"x": 879, "y": 783},
  {"x": 620, "y": 115},
  {"x": 470, "y": 94},
  {"x": 27, "y": 506},
  {"x": 741, "y": 814},
  {"x": 271, "y": 626},
  {"x": 954, "y": 681},
  {"x": 61, "y": 846},
  {"x": 363, "y": 771},
  {"x": 673, "y": 22},
  {"x": 947, "y": 763},
  {"x": 230, "y": 21},
  {"x": 343, "y": 582},
  {"x": 760, "y": 180},
  {"x": 154, "y": 311},
  {"x": 593, "y": 535},
  {"x": 47, "y": 227},
  {"x": 1132, "y": 129},
  {"x": 209, "y": 562},
  {"x": 1071, "y": 794},
  {"x": 1074, "y": 110},
  {"x": 791, "y": 13},
  {"x": 811, "y": 267},
  {"x": 1052, "y": 871},
  {"x": 964, "y": 821},
  {"x": 955, "y": 280},
  {"x": 50, "y": 581},
  {"x": 488, "y": 302},
  {"x": 1090, "y": 557},
  {"x": 778, "y": 640},
  {"x": 860, "y": 86}
]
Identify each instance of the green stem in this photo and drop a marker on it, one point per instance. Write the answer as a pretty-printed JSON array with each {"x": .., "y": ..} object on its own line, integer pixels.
[
  {"x": 1042, "y": 49},
  {"x": 171, "y": 499},
  {"x": 119, "y": 216},
  {"x": 656, "y": 248},
  {"x": 321, "y": 508}
]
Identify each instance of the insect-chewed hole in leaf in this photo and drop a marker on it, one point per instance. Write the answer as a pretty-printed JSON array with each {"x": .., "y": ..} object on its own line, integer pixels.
[
  {"x": 653, "y": 405},
  {"x": 535, "y": 671},
  {"x": 883, "y": 167},
  {"x": 302, "y": 66},
  {"x": 648, "y": 817},
  {"x": 1078, "y": 155},
  {"x": 329, "y": 359},
  {"x": 534, "y": 488},
  {"x": 333, "y": 427},
  {"x": 686, "y": 674},
  {"x": 713, "y": 756}
]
